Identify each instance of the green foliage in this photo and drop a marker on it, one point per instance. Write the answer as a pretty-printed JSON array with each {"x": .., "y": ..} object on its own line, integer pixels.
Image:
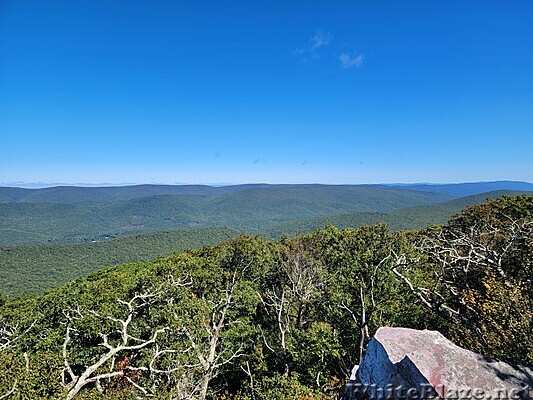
[
  {"x": 503, "y": 320},
  {"x": 405, "y": 218},
  {"x": 253, "y": 318},
  {"x": 245, "y": 210},
  {"x": 496, "y": 301},
  {"x": 32, "y": 269},
  {"x": 318, "y": 354},
  {"x": 283, "y": 387},
  {"x": 499, "y": 211},
  {"x": 73, "y": 194},
  {"x": 476, "y": 273}
]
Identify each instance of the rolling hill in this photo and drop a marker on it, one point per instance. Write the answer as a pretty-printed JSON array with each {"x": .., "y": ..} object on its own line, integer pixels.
[
  {"x": 32, "y": 269},
  {"x": 408, "y": 218},
  {"x": 77, "y": 194},
  {"x": 470, "y": 188},
  {"x": 246, "y": 210}
]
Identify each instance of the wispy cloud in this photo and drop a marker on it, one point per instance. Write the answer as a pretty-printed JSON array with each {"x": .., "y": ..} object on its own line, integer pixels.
[
  {"x": 259, "y": 161},
  {"x": 351, "y": 61},
  {"x": 320, "y": 39}
]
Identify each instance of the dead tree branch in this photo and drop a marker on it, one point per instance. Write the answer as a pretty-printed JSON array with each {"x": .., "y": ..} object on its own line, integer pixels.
[{"x": 127, "y": 344}]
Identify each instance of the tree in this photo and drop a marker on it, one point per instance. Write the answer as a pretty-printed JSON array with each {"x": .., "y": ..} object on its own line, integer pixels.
[
  {"x": 210, "y": 352},
  {"x": 478, "y": 276},
  {"x": 121, "y": 345},
  {"x": 9, "y": 335},
  {"x": 286, "y": 298},
  {"x": 361, "y": 291}
]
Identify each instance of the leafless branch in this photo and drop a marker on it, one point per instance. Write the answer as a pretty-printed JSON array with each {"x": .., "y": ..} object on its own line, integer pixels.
[
  {"x": 9, "y": 335},
  {"x": 126, "y": 345},
  {"x": 6, "y": 395}
]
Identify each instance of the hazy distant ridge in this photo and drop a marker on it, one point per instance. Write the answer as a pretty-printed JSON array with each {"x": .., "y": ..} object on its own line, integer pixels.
[
  {"x": 248, "y": 210},
  {"x": 76, "y": 194},
  {"x": 469, "y": 188},
  {"x": 407, "y": 218}
]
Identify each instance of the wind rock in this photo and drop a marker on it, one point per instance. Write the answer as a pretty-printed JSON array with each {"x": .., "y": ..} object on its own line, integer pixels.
[{"x": 405, "y": 363}]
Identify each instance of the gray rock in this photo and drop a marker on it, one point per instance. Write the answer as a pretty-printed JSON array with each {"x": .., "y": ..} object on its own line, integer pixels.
[{"x": 411, "y": 364}]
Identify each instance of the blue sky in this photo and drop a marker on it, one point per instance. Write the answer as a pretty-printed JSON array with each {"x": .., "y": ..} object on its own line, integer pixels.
[{"x": 266, "y": 91}]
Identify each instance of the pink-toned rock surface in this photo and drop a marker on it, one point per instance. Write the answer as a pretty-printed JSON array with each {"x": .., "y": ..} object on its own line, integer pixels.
[{"x": 429, "y": 363}]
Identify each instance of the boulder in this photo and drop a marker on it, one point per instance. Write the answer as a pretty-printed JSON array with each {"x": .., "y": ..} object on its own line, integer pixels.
[{"x": 411, "y": 364}]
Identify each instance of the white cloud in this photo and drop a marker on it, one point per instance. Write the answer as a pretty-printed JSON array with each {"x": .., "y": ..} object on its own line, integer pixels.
[
  {"x": 349, "y": 61},
  {"x": 320, "y": 39}
]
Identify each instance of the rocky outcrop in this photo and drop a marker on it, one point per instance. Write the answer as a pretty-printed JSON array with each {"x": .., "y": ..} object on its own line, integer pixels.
[{"x": 410, "y": 364}]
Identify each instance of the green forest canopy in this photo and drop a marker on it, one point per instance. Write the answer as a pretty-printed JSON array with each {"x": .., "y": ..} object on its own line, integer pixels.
[
  {"x": 254, "y": 318},
  {"x": 33, "y": 268}
]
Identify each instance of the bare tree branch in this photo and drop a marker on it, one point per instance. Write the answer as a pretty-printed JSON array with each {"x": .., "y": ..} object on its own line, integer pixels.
[
  {"x": 9, "y": 335},
  {"x": 6, "y": 395},
  {"x": 126, "y": 345}
]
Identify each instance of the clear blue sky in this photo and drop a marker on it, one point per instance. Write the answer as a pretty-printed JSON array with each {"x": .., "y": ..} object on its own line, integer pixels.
[{"x": 266, "y": 91}]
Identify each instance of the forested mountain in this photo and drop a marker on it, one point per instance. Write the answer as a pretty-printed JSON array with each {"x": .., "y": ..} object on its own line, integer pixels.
[
  {"x": 417, "y": 217},
  {"x": 471, "y": 188},
  {"x": 259, "y": 319},
  {"x": 245, "y": 210},
  {"x": 32, "y": 269},
  {"x": 77, "y": 194}
]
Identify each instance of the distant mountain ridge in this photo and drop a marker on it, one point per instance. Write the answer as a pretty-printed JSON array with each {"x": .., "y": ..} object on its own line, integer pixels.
[
  {"x": 408, "y": 218},
  {"x": 469, "y": 188},
  {"x": 32, "y": 268},
  {"x": 246, "y": 210},
  {"x": 76, "y": 194}
]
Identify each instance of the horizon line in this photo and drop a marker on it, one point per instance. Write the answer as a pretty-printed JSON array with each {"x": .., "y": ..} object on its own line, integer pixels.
[{"x": 44, "y": 185}]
